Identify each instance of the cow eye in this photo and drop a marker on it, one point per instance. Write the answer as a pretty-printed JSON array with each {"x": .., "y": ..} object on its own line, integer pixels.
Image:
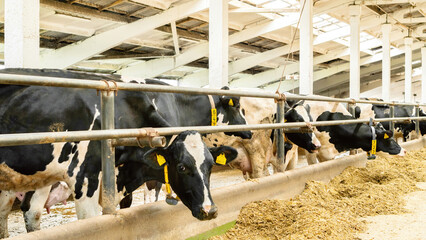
[{"x": 181, "y": 168}]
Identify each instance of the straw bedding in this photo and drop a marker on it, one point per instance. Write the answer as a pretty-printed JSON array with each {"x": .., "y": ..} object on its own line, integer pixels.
[{"x": 334, "y": 210}]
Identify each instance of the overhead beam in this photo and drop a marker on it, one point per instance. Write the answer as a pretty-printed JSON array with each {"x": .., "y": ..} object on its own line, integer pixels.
[
  {"x": 175, "y": 38},
  {"x": 83, "y": 11},
  {"x": 333, "y": 81},
  {"x": 156, "y": 67},
  {"x": 327, "y": 73},
  {"x": 200, "y": 78},
  {"x": 272, "y": 76},
  {"x": 85, "y": 49},
  {"x": 384, "y": 2}
]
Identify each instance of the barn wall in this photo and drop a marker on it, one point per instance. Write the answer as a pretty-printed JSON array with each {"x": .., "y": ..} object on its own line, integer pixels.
[{"x": 161, "y": 221}]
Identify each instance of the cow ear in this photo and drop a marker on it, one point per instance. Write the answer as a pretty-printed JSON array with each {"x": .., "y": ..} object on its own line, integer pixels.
[
  {"x": 384, "y": 134},
  {"x": 223, "y": 155},
  {"x": 156, "y": 157}
]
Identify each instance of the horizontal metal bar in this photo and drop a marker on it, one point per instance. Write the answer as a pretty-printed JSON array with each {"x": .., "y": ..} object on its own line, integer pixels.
[
  {"x": 141, "y": 142},
  {"x": 72, "y": 136},
  {"x": 298, "y": 130},
  {"x": 100, "y": 85}
]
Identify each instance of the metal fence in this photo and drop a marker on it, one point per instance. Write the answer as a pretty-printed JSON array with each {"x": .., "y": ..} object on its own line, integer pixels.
[{"x": 111, "y": 137}]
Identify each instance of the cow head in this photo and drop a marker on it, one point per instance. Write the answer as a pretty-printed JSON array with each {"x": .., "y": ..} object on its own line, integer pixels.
[
  {"x": 229, "y": 112},
  {"x": 300, "y": 113},
  {"x": 189, "y": 164},
  {"x": 386, "y": 143}
]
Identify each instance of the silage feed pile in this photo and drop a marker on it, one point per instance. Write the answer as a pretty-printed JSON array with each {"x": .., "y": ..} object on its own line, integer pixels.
[{"x": 334, "y": 210}]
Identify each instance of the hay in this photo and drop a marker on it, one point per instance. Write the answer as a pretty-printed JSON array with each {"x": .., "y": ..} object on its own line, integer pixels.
[{"x": 334, "y": 210}]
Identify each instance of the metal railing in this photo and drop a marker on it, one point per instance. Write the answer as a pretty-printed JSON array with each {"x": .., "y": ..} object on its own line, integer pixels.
[{"x": 111, "y": 137}]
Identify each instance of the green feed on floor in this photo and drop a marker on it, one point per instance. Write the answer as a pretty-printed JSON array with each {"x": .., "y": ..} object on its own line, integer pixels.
[{"x": 216, "y": 231}]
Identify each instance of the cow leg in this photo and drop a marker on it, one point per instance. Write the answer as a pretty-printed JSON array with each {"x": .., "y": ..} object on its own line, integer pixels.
[
  {"x": 6, "y": 202},
  {"x": 32, "y": 208},
  {"x": 87, "y": 207}
]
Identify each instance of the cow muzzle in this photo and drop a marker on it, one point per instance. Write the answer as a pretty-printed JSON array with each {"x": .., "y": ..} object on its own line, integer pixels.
[
  {"x": 207, "y": 212},
  {"x": 402, "y": 152}
]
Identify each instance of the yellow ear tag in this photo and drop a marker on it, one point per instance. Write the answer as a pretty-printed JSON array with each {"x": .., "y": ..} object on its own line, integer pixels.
[
  {"x": 285, "y": 120},
  {"x": 160, "y": 159},
  {"x": 231, "y": 103},
  {"x": 214, "y": 117},
  {"x": 386, "y": 136},
  {"x": 373, "y": 147},
  {"x": 221, "y": 159}
]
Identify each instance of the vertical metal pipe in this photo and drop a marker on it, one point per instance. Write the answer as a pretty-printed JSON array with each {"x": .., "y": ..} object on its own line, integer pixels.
[
  {"x": 392, "y": 115},
  {"x": 108, "y": 154},
  {"x": 280, "y": 136},
  {"x": 351, "y": 109},
  {"x": 418, "y": 121}
]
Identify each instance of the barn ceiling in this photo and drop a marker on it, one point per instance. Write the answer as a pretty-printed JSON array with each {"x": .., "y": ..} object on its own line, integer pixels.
[{"x": 136, "y": 38}]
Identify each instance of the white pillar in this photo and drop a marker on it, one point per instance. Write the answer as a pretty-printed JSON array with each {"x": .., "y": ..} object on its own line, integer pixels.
[
  {"x": 306, "y": 59},
  {"x": 424, "y": 74},
  {"x": 22, "y": 33},
  {"x": 386, "y": 61},
  {"x": 408, "y": 68},
  {"x": 218, "y": 43},
  {"x": 354, "y": 71}
]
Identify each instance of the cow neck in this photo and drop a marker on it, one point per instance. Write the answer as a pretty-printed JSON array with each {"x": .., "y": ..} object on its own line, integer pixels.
[
  {"x": 213, "y": 111},
  {"x": 372, "y": 153}
]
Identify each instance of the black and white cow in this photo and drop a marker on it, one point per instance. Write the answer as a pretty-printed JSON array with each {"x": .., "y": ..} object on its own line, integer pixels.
[
  {"x": 383, "y": 111},
  {"x": 189, "y": 162},
  {"x": 78, "y": 163},
  {"x": 337, "y": 138},
  {"x": 255, "y": 154},
  {"x": 195, "y": 110}
]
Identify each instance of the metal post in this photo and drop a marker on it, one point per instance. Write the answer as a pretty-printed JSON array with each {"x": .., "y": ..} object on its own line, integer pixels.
[
  {"x": 280, "y": 136},
  {"x": 108, "y": 154},
  {"x": 351, "y": 109},
  {"x": 418, "y": 121},
  {"x": 392, "y": 123}
]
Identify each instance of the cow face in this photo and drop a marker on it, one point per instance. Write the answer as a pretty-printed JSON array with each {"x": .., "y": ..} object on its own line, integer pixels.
[
  {"x": 189, "y": 164},
  {"x": 308, "y": 141},
  {"x": 229, "y": 113},
  {"x": 386, "y": 143}
]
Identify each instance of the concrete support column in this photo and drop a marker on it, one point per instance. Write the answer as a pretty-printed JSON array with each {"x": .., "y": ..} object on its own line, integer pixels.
[
  {"x": 424, "y": 74},
  {"x": 408, "y": 41},
  {"x": 306, "y": 48},
  {"x": 354, "y": 71},
  {"x": 22, "y": 33},
  {"x": 386, "y": 61},
  {"x": 218, "y": 43}
]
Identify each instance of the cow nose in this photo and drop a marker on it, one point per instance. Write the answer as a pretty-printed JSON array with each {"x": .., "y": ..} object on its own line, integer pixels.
[
  {"x": 402, "y": 152},
  {"x": 209, "y": 212},
  {"x": 317, "y": 146}
]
